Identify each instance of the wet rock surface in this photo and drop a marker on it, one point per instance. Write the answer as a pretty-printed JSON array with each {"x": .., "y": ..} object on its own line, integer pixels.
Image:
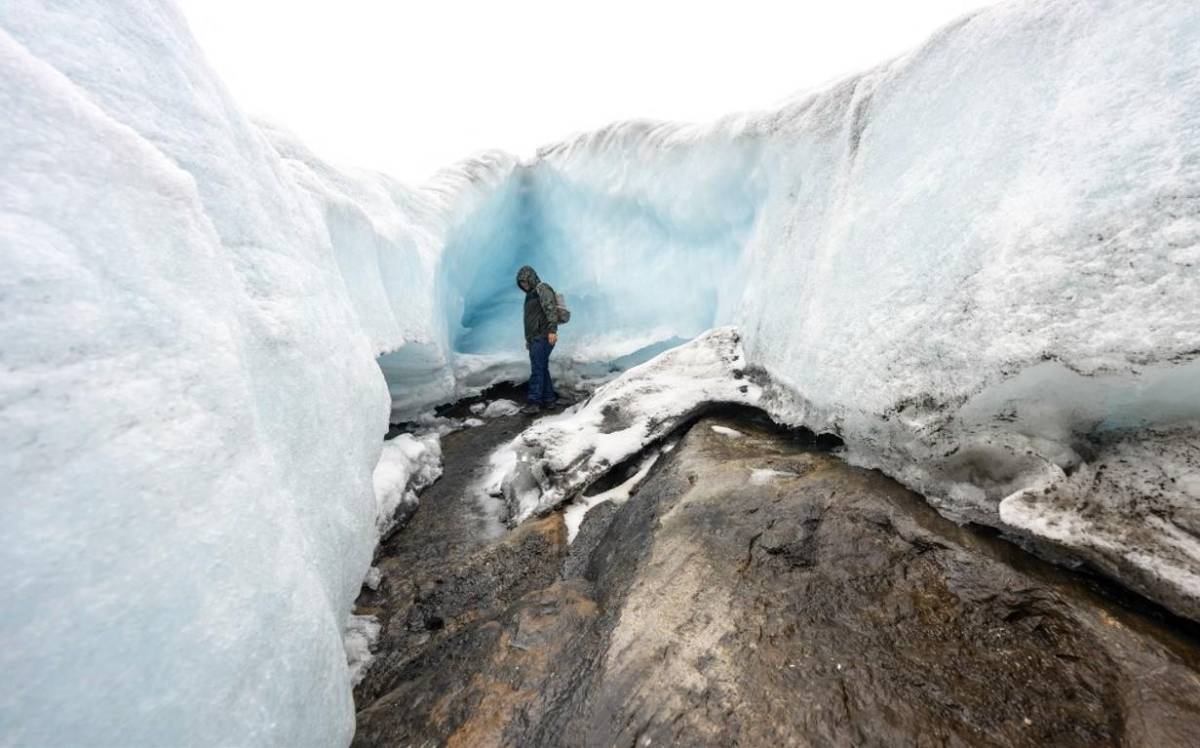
[
  {"x": 757, "y": 592},
  {"x": 443, "y": 568}
]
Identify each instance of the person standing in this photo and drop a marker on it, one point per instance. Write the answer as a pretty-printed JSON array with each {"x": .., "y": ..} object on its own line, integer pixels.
[{"x": 541, "y": 334}]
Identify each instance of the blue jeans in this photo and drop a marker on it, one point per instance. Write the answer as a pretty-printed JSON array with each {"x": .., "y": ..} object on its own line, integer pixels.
[{"x": 541, "y": 389}]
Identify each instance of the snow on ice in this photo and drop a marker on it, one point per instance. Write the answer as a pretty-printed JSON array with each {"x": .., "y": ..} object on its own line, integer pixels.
[
  {"x": 407, "y": 465},
  {"x": 359, "y": 636},
  {"x": 763, "y": 476},
  {"x": 190, "y": 411},
  {"x": 495, "y": 409},
  {"x": 726, "y": 431},
  {"x": 977, "y": 263},
  {"x": 560, "y": 455},
  {"x": 574, "y": 513}
]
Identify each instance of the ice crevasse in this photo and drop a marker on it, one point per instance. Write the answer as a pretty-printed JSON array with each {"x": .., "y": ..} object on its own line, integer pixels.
[{"x": 978, "y": 263}]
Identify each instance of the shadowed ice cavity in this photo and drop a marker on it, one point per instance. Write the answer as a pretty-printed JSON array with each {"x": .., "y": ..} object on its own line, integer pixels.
[{"x": 643, "y": 269}]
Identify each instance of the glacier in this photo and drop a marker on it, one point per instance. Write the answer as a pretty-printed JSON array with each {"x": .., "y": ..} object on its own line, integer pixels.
[{"x": 976, "y": 263}]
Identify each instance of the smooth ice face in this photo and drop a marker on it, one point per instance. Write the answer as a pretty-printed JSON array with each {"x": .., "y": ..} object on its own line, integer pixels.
[{"x": 649, "y": 252}]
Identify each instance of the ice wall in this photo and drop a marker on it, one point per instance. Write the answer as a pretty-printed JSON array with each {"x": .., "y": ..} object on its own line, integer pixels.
[
  {"x": 190, "y": 409},
  {"x": 644, "y": 226},
  {"x": 401, "y": 254},
  {"x": 193, "y": 308},
  {"x": 646, "y": 256}
]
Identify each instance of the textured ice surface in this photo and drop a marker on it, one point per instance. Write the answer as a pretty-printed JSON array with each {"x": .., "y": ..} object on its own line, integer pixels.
[
  {"x": 190, "y": 410},
  {"x": 560, "y": 455},
  {"x": 406, "y": 465},
  {"x": 495, "y": 409},
  {"x": 574, "y": 513},
  {"x": 359, "y": 636},
  {"x": 763, "y": 476},
  {"x": 727, "y": 432}
]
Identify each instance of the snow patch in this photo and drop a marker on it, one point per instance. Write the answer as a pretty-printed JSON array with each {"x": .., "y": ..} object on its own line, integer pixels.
[
  {"x": 358, "y": 637},
  {"x": 430, "y": 423},
  {"x": 726, "y": 431},
  {"x": 575, "y": 512},
  {"x": 406, "y": 465},
  {"x": 495, "y": 409},
  {"x": 373, "y": 578},
  {"x": 763, "y": 476}
]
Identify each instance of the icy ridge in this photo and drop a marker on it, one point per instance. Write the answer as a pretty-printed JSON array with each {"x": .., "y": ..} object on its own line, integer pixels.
[{"x": 559, "y": 456}]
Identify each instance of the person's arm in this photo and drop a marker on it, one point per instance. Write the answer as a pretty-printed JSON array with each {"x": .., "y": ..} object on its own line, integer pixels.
[{"x": 549, "y": 307}]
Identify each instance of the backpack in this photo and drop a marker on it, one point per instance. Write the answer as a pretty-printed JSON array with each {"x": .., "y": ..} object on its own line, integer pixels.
[{"x": 560, "y": 304}]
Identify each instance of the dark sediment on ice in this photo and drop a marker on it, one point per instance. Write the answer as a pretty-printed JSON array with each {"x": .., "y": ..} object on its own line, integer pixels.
[{"x": 755, "y": 591}]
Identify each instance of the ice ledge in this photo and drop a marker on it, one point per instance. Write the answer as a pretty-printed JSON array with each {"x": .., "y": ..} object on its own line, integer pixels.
[
  {"x": 1131, "y": 510},
  {"x": 561, "y": 455},
  {"x": 1124, "y": 501}
]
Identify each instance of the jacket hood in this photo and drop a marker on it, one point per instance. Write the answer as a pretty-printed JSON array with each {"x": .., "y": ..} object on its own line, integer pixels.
[{"x": 529, "y": 275}]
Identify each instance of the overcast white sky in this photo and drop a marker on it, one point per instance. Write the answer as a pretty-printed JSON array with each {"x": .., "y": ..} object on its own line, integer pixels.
[{"x": 408, "y": 87}]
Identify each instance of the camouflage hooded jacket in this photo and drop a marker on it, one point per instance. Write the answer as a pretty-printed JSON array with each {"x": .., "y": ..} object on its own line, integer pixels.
[{"x": 541, "y": 308}]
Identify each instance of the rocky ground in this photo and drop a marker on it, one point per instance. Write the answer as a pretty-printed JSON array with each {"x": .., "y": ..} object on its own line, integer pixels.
[{"x": 755, "y": 591}]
